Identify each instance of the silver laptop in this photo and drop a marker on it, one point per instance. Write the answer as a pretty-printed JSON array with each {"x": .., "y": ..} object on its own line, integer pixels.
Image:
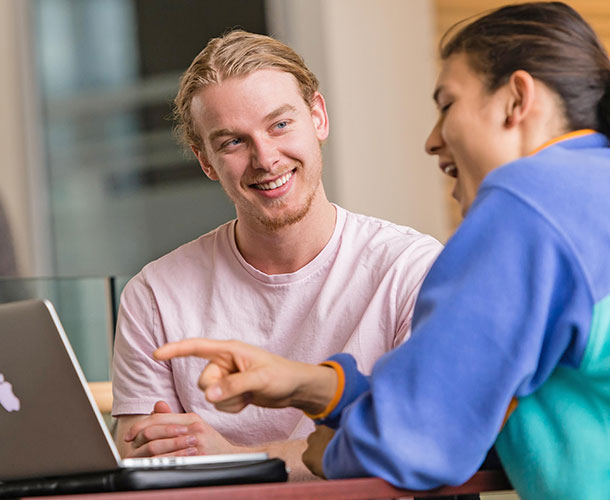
[{"x": 49, "y": 423}]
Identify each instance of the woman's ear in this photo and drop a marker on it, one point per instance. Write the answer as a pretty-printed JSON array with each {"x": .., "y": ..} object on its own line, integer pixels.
[
  {"x": 205, "y": 164},
  {"x": 522, "y": 96}
]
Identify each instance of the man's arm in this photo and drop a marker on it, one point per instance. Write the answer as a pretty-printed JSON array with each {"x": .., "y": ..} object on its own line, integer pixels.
[
  {"x": 124, "y": 423},
  {"x": 163, "y": 433},
  {"x": 182, "y": 434}
]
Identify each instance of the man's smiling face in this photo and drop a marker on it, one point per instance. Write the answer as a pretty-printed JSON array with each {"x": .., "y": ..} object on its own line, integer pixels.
[{"x": 262, "y": 142}]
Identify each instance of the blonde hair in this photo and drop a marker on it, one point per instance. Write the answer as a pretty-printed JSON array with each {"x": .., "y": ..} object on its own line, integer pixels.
[{"x": 238, "y": 53}]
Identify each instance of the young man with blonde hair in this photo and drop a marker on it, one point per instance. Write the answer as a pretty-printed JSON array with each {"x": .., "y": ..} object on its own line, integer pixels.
[{"x": 292, "y": 264}]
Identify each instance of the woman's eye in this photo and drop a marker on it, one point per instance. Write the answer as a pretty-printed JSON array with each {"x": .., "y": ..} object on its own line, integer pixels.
[
  {"x": 446, "y": 107},
  {"x": 281, "y": 125}
]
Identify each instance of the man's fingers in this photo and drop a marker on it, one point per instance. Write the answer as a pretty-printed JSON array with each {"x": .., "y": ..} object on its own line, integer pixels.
[
  {"x": 154, "y": 432},
  {"x": 159, "y": 419},
  {"x": 161, "y": 407},
  {"x": 160, "y": 447},
  {"x": 187, "y": 452}
]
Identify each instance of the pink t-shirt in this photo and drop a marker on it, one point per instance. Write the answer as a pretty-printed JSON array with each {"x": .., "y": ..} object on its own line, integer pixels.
[{"x": 356, "y": 296}]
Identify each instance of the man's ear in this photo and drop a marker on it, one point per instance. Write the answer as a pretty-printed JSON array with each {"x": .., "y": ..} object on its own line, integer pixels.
[
  {"x": 319, "y": 116},
  {"x": 205, "y": 164},
  {"x": 521, "y": 99}
]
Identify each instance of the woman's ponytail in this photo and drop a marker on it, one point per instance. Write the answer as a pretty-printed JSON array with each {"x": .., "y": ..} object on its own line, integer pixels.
[{"x": 603, "y": 109}]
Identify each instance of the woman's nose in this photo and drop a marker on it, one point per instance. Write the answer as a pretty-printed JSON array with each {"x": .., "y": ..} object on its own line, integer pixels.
[{"x": 434, "y": 142}]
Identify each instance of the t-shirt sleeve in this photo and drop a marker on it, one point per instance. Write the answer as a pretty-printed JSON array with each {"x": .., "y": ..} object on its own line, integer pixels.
[
  {"x": 138, "y": 380},
  {"x": 500, "y": 308},
  {"x": 413, "y": 267}
]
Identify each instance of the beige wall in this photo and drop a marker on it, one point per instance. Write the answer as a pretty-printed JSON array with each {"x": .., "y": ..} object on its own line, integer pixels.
[{"x": 374, "y": 59}]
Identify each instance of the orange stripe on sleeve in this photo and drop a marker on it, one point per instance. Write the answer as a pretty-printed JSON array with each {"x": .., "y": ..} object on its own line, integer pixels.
[
  {"x": 338, "y": 393},
  {"x": 511, "y": 408}
]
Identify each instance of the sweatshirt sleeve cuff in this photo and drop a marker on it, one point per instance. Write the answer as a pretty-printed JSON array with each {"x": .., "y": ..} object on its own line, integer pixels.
[
  {"x": 350, "y": 384},
  {"x": 338, "y": 393}
]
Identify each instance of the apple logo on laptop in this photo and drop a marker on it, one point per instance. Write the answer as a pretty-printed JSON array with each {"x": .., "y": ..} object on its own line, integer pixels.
[{"x": 7, "y": 397}]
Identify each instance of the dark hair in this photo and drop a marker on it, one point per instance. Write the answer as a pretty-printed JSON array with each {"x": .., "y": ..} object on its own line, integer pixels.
[{"x": 550, "y": 41}]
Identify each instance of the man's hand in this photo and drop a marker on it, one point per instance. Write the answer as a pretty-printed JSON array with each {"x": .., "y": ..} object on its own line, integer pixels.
[
  {"x": 239, "y": 374},
  {"x": 164, "y": 433},
  {"x": 316, "y": 445}
]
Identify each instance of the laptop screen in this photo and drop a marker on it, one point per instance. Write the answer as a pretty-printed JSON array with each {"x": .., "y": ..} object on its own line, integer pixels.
[{"x": 49, "y": 424}]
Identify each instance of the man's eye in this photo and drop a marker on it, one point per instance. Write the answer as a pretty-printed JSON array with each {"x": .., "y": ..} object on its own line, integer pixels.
[{"x": 232, "y": 142}]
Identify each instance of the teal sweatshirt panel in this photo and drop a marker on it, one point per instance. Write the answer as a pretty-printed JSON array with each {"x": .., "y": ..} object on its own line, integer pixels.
[{"x": 564, "y": 424}]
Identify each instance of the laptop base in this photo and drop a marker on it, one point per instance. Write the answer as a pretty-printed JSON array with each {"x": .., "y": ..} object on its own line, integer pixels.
[{"x": 263, "y": 471}]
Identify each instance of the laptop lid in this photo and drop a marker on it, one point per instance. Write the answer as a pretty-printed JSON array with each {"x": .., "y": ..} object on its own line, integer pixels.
[{"x": 49, "y": 423}]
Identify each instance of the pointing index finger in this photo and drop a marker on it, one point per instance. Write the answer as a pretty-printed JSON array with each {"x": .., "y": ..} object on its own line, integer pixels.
[{"x": 201, "y": 348}]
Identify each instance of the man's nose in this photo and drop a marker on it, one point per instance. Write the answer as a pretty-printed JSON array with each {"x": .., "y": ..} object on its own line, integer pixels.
[{"x": 265, "y": 153}]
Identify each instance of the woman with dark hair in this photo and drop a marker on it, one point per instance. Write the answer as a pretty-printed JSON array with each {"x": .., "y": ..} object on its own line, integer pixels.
[{"x": 511, "y": 333}]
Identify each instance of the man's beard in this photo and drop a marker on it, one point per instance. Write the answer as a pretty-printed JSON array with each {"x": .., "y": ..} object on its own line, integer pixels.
[{"x": 287, "y": 219}]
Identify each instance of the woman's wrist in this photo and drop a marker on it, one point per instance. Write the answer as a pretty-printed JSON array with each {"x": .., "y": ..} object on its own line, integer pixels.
[{"x": 317, "y": 389}]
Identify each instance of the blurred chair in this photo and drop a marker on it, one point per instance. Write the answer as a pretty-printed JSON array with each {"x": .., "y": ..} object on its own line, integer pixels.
[{"x": 102, "y": 394}]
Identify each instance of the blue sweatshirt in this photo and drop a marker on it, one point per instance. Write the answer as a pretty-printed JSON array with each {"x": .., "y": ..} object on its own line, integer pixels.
[{"x": 516, "y": 306}]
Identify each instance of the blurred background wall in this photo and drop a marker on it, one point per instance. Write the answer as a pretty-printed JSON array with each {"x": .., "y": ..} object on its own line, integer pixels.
[{"x": 92, "y": 182}]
